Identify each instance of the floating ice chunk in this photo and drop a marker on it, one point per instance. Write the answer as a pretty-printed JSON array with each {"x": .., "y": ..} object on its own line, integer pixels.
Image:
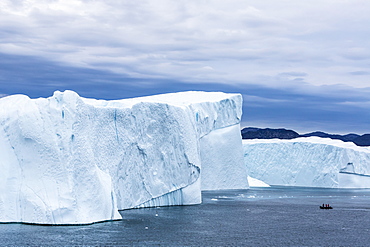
[{"x": 253, "y": 182}]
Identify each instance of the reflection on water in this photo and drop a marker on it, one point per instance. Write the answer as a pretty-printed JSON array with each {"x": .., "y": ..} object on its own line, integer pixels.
[{"x": 276, "y": 216}]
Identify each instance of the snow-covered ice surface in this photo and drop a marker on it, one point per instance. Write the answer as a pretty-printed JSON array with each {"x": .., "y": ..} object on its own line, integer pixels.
[
  {"x": 72, "y": 160},
  {"x": 309, "y": 161}
]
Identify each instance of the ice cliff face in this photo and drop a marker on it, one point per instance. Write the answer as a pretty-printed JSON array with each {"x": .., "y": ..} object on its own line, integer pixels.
[
  {"x": 310, "y": 161},
  {"x": 71, "y": 160}
]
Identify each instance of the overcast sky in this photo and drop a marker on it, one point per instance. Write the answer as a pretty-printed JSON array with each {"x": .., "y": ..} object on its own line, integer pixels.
[{"x": 303, "y": 65}]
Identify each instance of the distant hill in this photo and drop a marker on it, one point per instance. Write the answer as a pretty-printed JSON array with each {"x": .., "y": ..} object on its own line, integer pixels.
[
  {"x": 346, "y": 138},
  {"x": 363, "y": 140},
  {"x": 258, "y": 133}
]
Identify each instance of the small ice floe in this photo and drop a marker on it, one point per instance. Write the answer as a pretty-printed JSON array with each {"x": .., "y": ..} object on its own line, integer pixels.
[
  {"x": 285, "y": 196},
  {"x": 214, "y": 199},
  {"x": 247, "y": 196}
]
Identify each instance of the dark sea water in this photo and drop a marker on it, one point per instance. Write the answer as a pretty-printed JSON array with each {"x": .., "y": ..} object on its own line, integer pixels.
[{"x": 277, "y": 216}]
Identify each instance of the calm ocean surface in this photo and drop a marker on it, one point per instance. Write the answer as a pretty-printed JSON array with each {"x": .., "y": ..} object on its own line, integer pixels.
[{"x": 277, "y": 216}]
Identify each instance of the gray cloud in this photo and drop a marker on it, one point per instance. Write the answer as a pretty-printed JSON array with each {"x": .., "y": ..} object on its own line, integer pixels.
[
  {"x": 240, "y": 40},
  {"x": 297, "y": 63},
  {"x": 359, "y": 73}
]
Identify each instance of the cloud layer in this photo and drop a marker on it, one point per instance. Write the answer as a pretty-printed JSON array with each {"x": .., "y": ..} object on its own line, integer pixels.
[
  {"x": 310, "y": 57},
  {"x": 264, "y": 42}
]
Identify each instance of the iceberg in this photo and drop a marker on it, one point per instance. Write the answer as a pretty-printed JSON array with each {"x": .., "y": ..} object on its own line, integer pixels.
[
  {"x": 73, "y": 160},
  {"x": 309, "y": 162}
]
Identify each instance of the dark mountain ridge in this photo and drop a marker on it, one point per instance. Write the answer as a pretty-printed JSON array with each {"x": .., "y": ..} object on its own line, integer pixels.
[
  {"x": 255, "y": 133},
  {"x": 267, "y": 133}
]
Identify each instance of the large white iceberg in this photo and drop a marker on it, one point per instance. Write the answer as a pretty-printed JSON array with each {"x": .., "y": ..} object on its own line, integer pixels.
[
  {"x": 72, "y": 160},
  {"x": 309, "y": 161}
]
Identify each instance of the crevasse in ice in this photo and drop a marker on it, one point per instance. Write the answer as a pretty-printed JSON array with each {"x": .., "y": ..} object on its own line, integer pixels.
[
  {"x": 72, "y": 160},
  {"x": 308, "y": 161}
]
